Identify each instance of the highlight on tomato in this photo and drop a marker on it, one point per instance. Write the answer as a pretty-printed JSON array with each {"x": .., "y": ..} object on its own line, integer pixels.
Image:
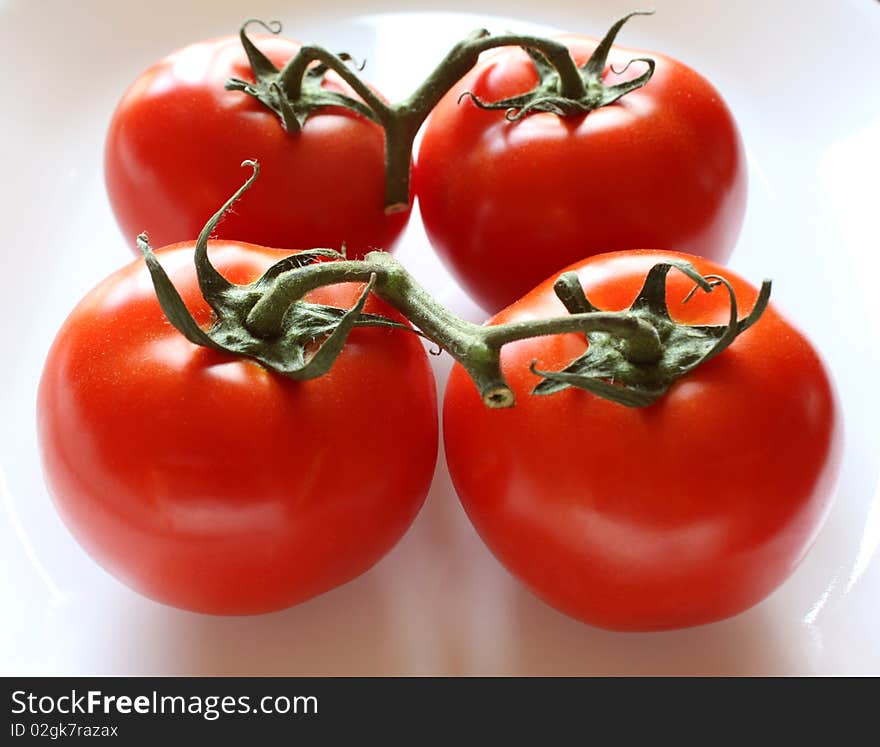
[
  {"x": 183, "y": 126},
  {"x": 685, "y": 507},
  {"x": 528, "y": 169}
]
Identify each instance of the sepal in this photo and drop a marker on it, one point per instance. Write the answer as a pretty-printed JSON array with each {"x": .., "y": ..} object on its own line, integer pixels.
[{"x": 609, "y": 367}]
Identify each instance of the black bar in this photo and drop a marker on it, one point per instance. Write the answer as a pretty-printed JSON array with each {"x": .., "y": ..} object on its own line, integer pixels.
[{"x": 414, "y": 710}]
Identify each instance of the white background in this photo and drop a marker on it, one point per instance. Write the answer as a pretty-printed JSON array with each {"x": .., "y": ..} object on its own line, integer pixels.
[{"x": 801, "y": 79}]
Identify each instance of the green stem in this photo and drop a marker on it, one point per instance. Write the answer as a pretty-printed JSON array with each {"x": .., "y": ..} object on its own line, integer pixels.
[
  {"x": 464, "y": 55},
  {"x": 639, "y": 339},
  {"x": 401, "y": 122},
  {"x": 476, "y": 347},
  {"x": 465, "y": 341}
]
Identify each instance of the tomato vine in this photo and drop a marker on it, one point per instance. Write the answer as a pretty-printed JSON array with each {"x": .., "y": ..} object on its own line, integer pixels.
[
  {"x": 633, "y": 358},
  {"x": 294, "y": 92}
]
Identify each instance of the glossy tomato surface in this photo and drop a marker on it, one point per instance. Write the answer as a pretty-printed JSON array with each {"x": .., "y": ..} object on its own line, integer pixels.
[
  {"x": 507, "y": 203},
  {"x": 205, "y": 481},
  {"x": 680, "y": 513},
  {"x": 177, "y": 139}
]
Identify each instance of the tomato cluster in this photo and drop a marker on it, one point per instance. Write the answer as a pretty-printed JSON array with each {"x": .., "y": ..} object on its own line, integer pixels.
[{"x": 615, "y": 442}]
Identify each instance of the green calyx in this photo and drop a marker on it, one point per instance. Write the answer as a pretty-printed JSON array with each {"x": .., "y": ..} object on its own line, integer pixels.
[
  {"x": 559, "y": 97},
  {"x": 306, "y": 340},
  {"x": 270, "y": 85},
  {"x": 636, "y": 376},
  {"x": 633, "y": 356}
]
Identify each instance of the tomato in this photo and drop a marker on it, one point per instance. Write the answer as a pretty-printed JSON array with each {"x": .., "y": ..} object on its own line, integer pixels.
[
  {"x": 683, "y": 512},
  {"x": 177, "y": 138},
  {"x": 505, "y": 204},
  {"x": 207, "y": 482}
]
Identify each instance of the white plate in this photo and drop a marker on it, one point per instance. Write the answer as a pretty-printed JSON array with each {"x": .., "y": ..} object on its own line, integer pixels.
[{"x": 799, "y": 77}]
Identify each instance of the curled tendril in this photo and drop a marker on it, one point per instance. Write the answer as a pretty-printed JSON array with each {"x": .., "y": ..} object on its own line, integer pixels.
[
  {"x": 319, "y": 69},
  {"x": 550, "y": 104},
  {"x": 712, "y": 284},
  {"x": 273, "y": 27},
  {"x": 517, "y": 108},
  {"x": 628, "y": 65},
  {"x": 359, "y": 66},
  {"x": 732, "y": 327}
]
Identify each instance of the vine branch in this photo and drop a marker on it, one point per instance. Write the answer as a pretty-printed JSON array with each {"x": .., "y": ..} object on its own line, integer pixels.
[
  {"x": 633, "y": 356},
  {"x": 296, "y": 92}
]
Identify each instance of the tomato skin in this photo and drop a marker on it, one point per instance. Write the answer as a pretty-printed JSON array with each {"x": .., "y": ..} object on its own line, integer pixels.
[
  {"x": 177, "y": 139},
  {"x": 685, "y": 512},
  {"x": 209, "y": 483},
  {"x": 507, "y": 204}
]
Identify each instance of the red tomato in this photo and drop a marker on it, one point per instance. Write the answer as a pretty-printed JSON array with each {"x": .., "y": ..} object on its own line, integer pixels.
[
  {"x": 207, "y": 482},
  {"x": 506, "y": 204},
  {"x": 684, "y": 512},
  {"x": 177, "y": 139}
]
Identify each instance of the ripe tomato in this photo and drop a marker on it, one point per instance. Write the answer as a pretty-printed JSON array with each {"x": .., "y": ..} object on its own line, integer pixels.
[
  {"x": 177, "y": 138},
  {"x": 664, "y": 167},
  {"x": 207, "y": 482},
  {"x": 680, "y": 513}
]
